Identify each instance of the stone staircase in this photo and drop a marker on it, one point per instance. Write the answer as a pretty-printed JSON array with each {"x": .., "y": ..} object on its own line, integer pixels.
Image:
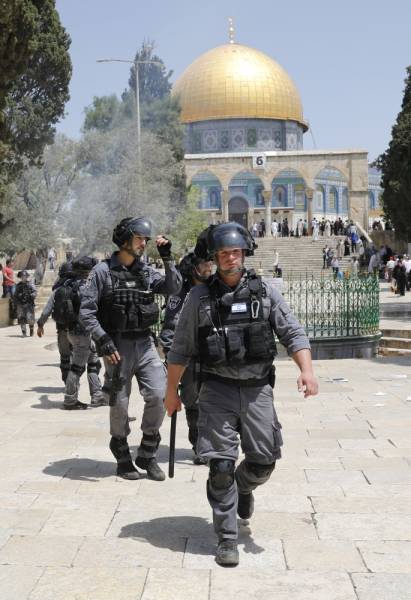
[
  {"x": 296, "y": 255},
  {"x": 395, "y": 342},
  {"x": 44, "y": 291}
]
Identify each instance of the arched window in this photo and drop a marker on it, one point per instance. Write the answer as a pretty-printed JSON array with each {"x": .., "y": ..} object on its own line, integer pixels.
[
  {"x": 280, "y": 196},
  {"x": 332, "y": 199},
  {"x": 319, "y": 204},
  {"x": 371, "y": 200}
]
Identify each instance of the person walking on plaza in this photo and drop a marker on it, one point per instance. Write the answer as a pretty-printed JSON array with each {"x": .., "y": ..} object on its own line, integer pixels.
[
  {"x": 340, "y": 249},
  {"x": 24, "y": 297},
  {"x": 229, "y": 323},
  {"x": 274, "y": 228},
  {"x": 335, "y": 265},
  {"x": 63, "y": 343},
  {"x": 194, "y": 271},
  {"x": 399, "y": 274},
  {"x": 52, "y": 258},
  {"x": 9, "y": 282},
  {"x": 316, "y": 229},
  {"x": 83, "y": 348},
  {"x": 118, "y": 308}
]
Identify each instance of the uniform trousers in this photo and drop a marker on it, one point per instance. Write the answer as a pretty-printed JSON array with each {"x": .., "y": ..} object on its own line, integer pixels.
[
  {"x": 139, "y": 358},
  {"x": 84, "y": 354},
  {"x": 25, "y": 315},
  {"x": 189, "y": 390},
  {"x": 65, "y": 351},
  {"x": 230, "y": 415}
]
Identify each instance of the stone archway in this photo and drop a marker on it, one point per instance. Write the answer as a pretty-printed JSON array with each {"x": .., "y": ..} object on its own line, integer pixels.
[{"x": 238, "y": 210}]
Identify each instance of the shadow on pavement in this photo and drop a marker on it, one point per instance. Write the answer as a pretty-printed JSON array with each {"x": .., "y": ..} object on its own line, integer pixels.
[
  {"x": 162, "y": 531},
  {"x": 46, "y": 404},
  {"x": 49, "y": 365},
  {"x": 80, "y": 469},
  {"x": 46, "y": 389}
]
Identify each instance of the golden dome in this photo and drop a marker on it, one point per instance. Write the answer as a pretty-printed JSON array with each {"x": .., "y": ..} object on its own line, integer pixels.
[{"x": 234, "y": 82}]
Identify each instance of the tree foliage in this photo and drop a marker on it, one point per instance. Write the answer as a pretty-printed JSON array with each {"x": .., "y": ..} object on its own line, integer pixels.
[
  {"x": 34, "y": 83},
  {"x": 38, "y": 201},
  {"x": 189, "y": 223},
  {"x": 395, "y": 165}
]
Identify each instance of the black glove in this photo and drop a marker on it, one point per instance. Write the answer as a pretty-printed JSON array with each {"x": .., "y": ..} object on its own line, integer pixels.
[
  {"x": 105, "y": 345},
  {"x": 165, "y": 250}
]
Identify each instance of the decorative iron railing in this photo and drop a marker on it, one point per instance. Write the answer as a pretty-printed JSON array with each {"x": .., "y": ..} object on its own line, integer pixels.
[{"x": 329, "y": 307}]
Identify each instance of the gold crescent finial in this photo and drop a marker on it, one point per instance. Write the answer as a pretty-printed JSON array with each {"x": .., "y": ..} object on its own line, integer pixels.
[{"x": 231, "y": 30}]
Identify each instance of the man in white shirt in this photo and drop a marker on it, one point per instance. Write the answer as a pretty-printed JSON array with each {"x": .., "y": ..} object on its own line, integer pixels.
[{"x": 274, "y": 228}]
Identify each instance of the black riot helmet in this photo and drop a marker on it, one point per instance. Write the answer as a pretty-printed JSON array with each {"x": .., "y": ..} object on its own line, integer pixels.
[
  {"x": 65, "y": 270},
  {"x": 188, "y": 267},
  {"x": 125, "y": 230},
  {"x": 83, "y": 264},
  {"x": 225, "y": 235}
]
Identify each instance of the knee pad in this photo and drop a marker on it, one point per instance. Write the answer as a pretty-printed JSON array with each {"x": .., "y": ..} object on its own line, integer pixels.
[
  {"x": 260, "y": 471},
  {"x": 221, "y": 473},
  {"x": 94, "y": 367},
  {"x": 150, "y": 441},
  {"x": 77, "y": 369}
]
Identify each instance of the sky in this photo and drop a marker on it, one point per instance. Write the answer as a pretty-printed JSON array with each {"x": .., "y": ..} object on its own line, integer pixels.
[{"x": 348, "y": 59}]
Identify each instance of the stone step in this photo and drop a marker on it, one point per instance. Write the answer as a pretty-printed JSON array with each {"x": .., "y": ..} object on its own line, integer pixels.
[
  {"x": 396, "y": 342},
  {"x": 389, "y": 351},
  {"x": 396, "y": 333}
]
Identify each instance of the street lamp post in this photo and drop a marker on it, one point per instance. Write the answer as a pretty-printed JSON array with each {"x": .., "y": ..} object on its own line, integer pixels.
[{"x": 135, "y": 62}]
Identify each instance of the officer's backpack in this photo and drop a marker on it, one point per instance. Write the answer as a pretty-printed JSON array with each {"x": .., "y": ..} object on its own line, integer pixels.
[
  {"x": 23, "y": 293},
  {"x": 66, "y": 304}
]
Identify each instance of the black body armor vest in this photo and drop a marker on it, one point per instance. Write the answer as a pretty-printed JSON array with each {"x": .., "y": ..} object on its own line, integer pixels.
[
  {"x": 238, "y": 332},
  {"x": 130, "y": 306}
]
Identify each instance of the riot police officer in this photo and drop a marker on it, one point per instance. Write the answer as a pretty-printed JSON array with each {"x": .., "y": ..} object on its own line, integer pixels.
[
  {"x": 118, "y": 309},
  {"x": 23, "y": 299},
  {"x": 63, "y": 343},
  {"x": 194, "y": 270},
  {"x": 229, "y": 323},
  {"x": 84, "y": 353}
]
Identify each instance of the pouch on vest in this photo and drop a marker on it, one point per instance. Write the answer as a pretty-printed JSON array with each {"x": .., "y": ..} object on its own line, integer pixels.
[
  {"x": 216, "y": 349},
  {"x": 118, "y": 317},
  {"x": 149, "y": 314},
  {"x": 235, "y": 343},
  {"x": 260, "y": 341}
]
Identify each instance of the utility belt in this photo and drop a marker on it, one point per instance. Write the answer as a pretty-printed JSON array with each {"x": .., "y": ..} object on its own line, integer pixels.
[{"x": 268, "y": 379}]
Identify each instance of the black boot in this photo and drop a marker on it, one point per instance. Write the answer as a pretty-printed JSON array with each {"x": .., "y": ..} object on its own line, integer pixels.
[
  {"x": 227, "y": 553},
  {"x": 31, "y": 330},
  {"x": 245, "y": 507},
  {"x": 152, "y": 467},
  {"x": 121, "y": 452}
]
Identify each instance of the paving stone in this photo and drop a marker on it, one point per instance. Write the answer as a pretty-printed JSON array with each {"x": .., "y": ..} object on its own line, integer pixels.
[
  {"x": 282, "y": 526},
  {"x": 25, "y": 521},
  {"x": 340, "y": 434},
  {"x": 84, "y": 522},
  {"x": 386, "y": 557},
  {"x": 339, "y": 477},
  {"x": 16, "y": 500},
  {"x": 349, "y": 526},
  {"x": 378, "y": 586},
  {"x": 271, "y": 585},
  {"x": 16, "y": 582},
  {"x": 323, "y": 555},
  {"x": 187, "y": 584},
  {"x": 388, "y": 476},
  {"x": 382, "y": 505},
  {"x": 75, "y": 583},
  {"x": 39, "y": 550}
]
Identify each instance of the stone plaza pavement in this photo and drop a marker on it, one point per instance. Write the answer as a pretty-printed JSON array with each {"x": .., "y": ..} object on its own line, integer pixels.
[{"x": 333, "y": 523}]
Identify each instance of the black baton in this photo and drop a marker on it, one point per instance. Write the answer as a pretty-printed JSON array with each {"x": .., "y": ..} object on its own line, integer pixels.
[{"x": 172, "y": 444}]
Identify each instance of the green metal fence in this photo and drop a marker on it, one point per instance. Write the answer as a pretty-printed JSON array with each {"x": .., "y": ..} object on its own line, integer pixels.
[
  {"x": 328, "y": 307},
  {"x": 334, "y": 308}
]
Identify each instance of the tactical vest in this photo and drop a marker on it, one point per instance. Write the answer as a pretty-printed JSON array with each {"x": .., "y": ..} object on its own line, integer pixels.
[
  {"x": 23, "y": 294},
  {"x": 238, "y": 332},
  {"x": 129, "y": 306},
  {"x": 67, "y": 304}
]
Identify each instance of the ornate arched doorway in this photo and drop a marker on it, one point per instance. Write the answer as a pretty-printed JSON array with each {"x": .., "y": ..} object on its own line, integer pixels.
[{"x": 238, "y": 210}]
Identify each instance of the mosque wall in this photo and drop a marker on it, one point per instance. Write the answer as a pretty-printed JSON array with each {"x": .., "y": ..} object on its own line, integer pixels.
[{"x": 315, "y": 183}]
